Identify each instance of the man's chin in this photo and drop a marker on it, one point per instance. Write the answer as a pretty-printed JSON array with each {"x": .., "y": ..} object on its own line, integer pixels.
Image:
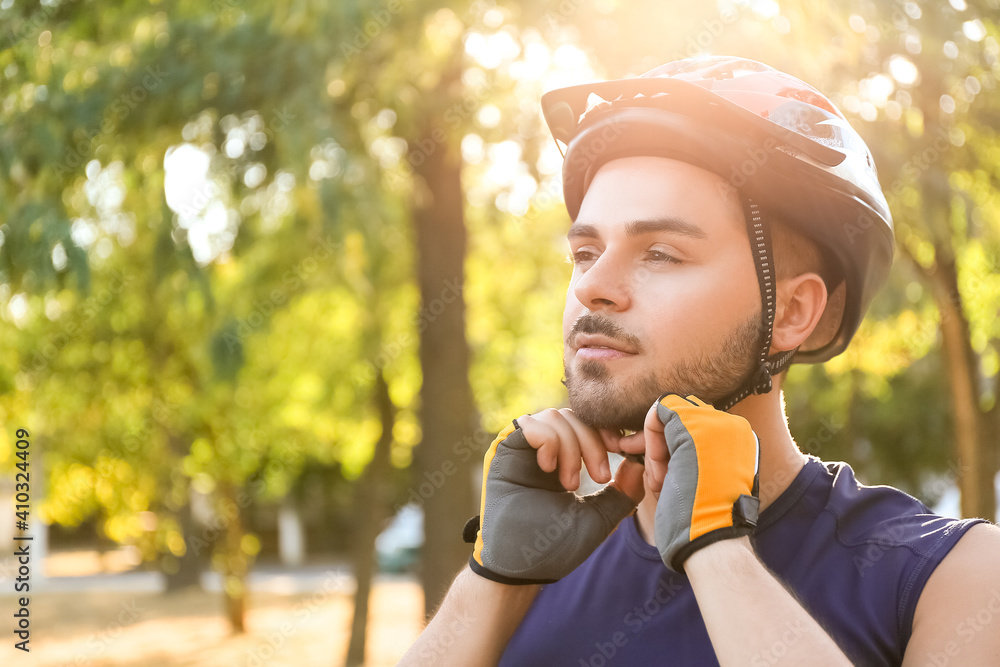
[
  {"x": 603, "y": 404},
  {"x": 605, "y": 416}
]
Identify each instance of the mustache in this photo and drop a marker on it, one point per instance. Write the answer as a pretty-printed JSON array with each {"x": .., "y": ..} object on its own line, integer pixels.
[{"x": 592, "y": 324}]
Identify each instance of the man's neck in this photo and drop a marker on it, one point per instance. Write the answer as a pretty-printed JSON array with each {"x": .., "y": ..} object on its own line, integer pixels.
[{"x": 780, "y": 458}]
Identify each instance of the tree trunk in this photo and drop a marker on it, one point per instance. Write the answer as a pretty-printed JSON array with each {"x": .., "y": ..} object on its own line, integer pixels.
[
  {"x": 235, "y": 562},
  {"x": 975, "y": 459},
  {"x": 371, "y": 500},
  {"x": 991, "y": 448},
  {"x": 188, "y": 571},
  {"x": 447, "y": 408},
  {"x": 993, "y": 445}
]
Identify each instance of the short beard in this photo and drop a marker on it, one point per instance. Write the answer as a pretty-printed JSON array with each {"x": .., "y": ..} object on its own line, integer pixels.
[{"x": 601, "y": 403}]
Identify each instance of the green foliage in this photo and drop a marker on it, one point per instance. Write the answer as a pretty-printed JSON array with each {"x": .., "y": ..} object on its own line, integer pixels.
[{"x": 230, "y": 337}]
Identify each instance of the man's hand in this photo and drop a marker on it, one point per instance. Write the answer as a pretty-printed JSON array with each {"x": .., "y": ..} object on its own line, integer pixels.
[
  {"x": 702, "y": 465},
  {"x": 534, "y": 529}
]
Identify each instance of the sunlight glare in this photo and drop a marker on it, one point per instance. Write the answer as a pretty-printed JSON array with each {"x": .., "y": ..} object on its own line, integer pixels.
[
  {"x": 186, "y": 175},
  {"x": 903, "y": 70}
]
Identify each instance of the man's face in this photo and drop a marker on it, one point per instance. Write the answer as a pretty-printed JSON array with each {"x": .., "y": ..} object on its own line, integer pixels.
[{"x": 664, "y": 293}]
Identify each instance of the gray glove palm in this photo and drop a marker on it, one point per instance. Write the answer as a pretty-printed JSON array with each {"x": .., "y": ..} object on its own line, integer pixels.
[{"x": 532, "y": 530}]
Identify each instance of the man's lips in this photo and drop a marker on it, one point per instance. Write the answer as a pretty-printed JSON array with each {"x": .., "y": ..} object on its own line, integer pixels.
[{"x": 596, "y": 346}]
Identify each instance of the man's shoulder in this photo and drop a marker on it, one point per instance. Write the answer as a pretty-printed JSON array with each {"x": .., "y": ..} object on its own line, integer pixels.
[
  {"x": 974, "y": 557},
  {"x": 980, "y": 544},
  {"x": 866, "y": 514},
  {"x": 859, "y": 555}
]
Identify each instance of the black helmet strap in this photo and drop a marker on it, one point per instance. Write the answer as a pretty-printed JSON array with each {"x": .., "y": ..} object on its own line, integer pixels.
[{"x": 759, "y": 382}]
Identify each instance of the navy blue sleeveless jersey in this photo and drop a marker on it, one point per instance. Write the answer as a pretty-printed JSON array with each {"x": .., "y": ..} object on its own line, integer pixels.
[{"x": 857, "y": 558}]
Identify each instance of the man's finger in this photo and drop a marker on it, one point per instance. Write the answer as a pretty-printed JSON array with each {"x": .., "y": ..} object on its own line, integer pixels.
[
  {"x": 569, "y": 449},
  {"x": 634, "y": 443},
  {"x": 542, "y": 437},
  {"x": 611, "y": 438},
  {"x": 657, "y": 452},
  {"x": 595, "y": 455},
  {"x": 628, "y": 480}
]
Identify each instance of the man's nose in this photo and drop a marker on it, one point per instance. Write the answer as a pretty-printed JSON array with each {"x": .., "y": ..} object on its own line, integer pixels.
[{"x": 605, "y": 285}]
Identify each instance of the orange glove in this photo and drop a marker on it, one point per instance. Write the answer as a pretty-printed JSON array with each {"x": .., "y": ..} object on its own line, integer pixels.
[{"x": 710, "y": 489}]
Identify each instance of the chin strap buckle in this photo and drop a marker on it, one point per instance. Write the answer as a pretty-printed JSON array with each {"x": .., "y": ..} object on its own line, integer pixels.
[{"x": 762, "y": 379}]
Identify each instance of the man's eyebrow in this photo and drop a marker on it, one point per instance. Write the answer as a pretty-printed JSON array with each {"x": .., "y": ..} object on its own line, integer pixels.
[{"x": 638, "y": 227}]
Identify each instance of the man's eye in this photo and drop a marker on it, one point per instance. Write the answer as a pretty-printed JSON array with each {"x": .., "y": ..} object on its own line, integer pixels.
[
  {"x": 660, "y": 256},
  {"x": 581, "y": 257}
]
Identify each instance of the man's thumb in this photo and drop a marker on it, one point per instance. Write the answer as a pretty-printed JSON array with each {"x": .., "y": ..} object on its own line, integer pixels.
[{"x": 628, "y": 480}]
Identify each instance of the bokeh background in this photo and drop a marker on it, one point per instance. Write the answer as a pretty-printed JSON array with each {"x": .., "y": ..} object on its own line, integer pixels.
[{"x": 273, "y": 274}]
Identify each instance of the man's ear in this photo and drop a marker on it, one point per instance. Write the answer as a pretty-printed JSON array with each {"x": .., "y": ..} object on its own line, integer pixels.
[{"x": 801, "y": 301}]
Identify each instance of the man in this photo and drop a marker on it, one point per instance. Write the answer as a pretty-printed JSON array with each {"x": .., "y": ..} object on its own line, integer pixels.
[{"x": 726, "y": 222}]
